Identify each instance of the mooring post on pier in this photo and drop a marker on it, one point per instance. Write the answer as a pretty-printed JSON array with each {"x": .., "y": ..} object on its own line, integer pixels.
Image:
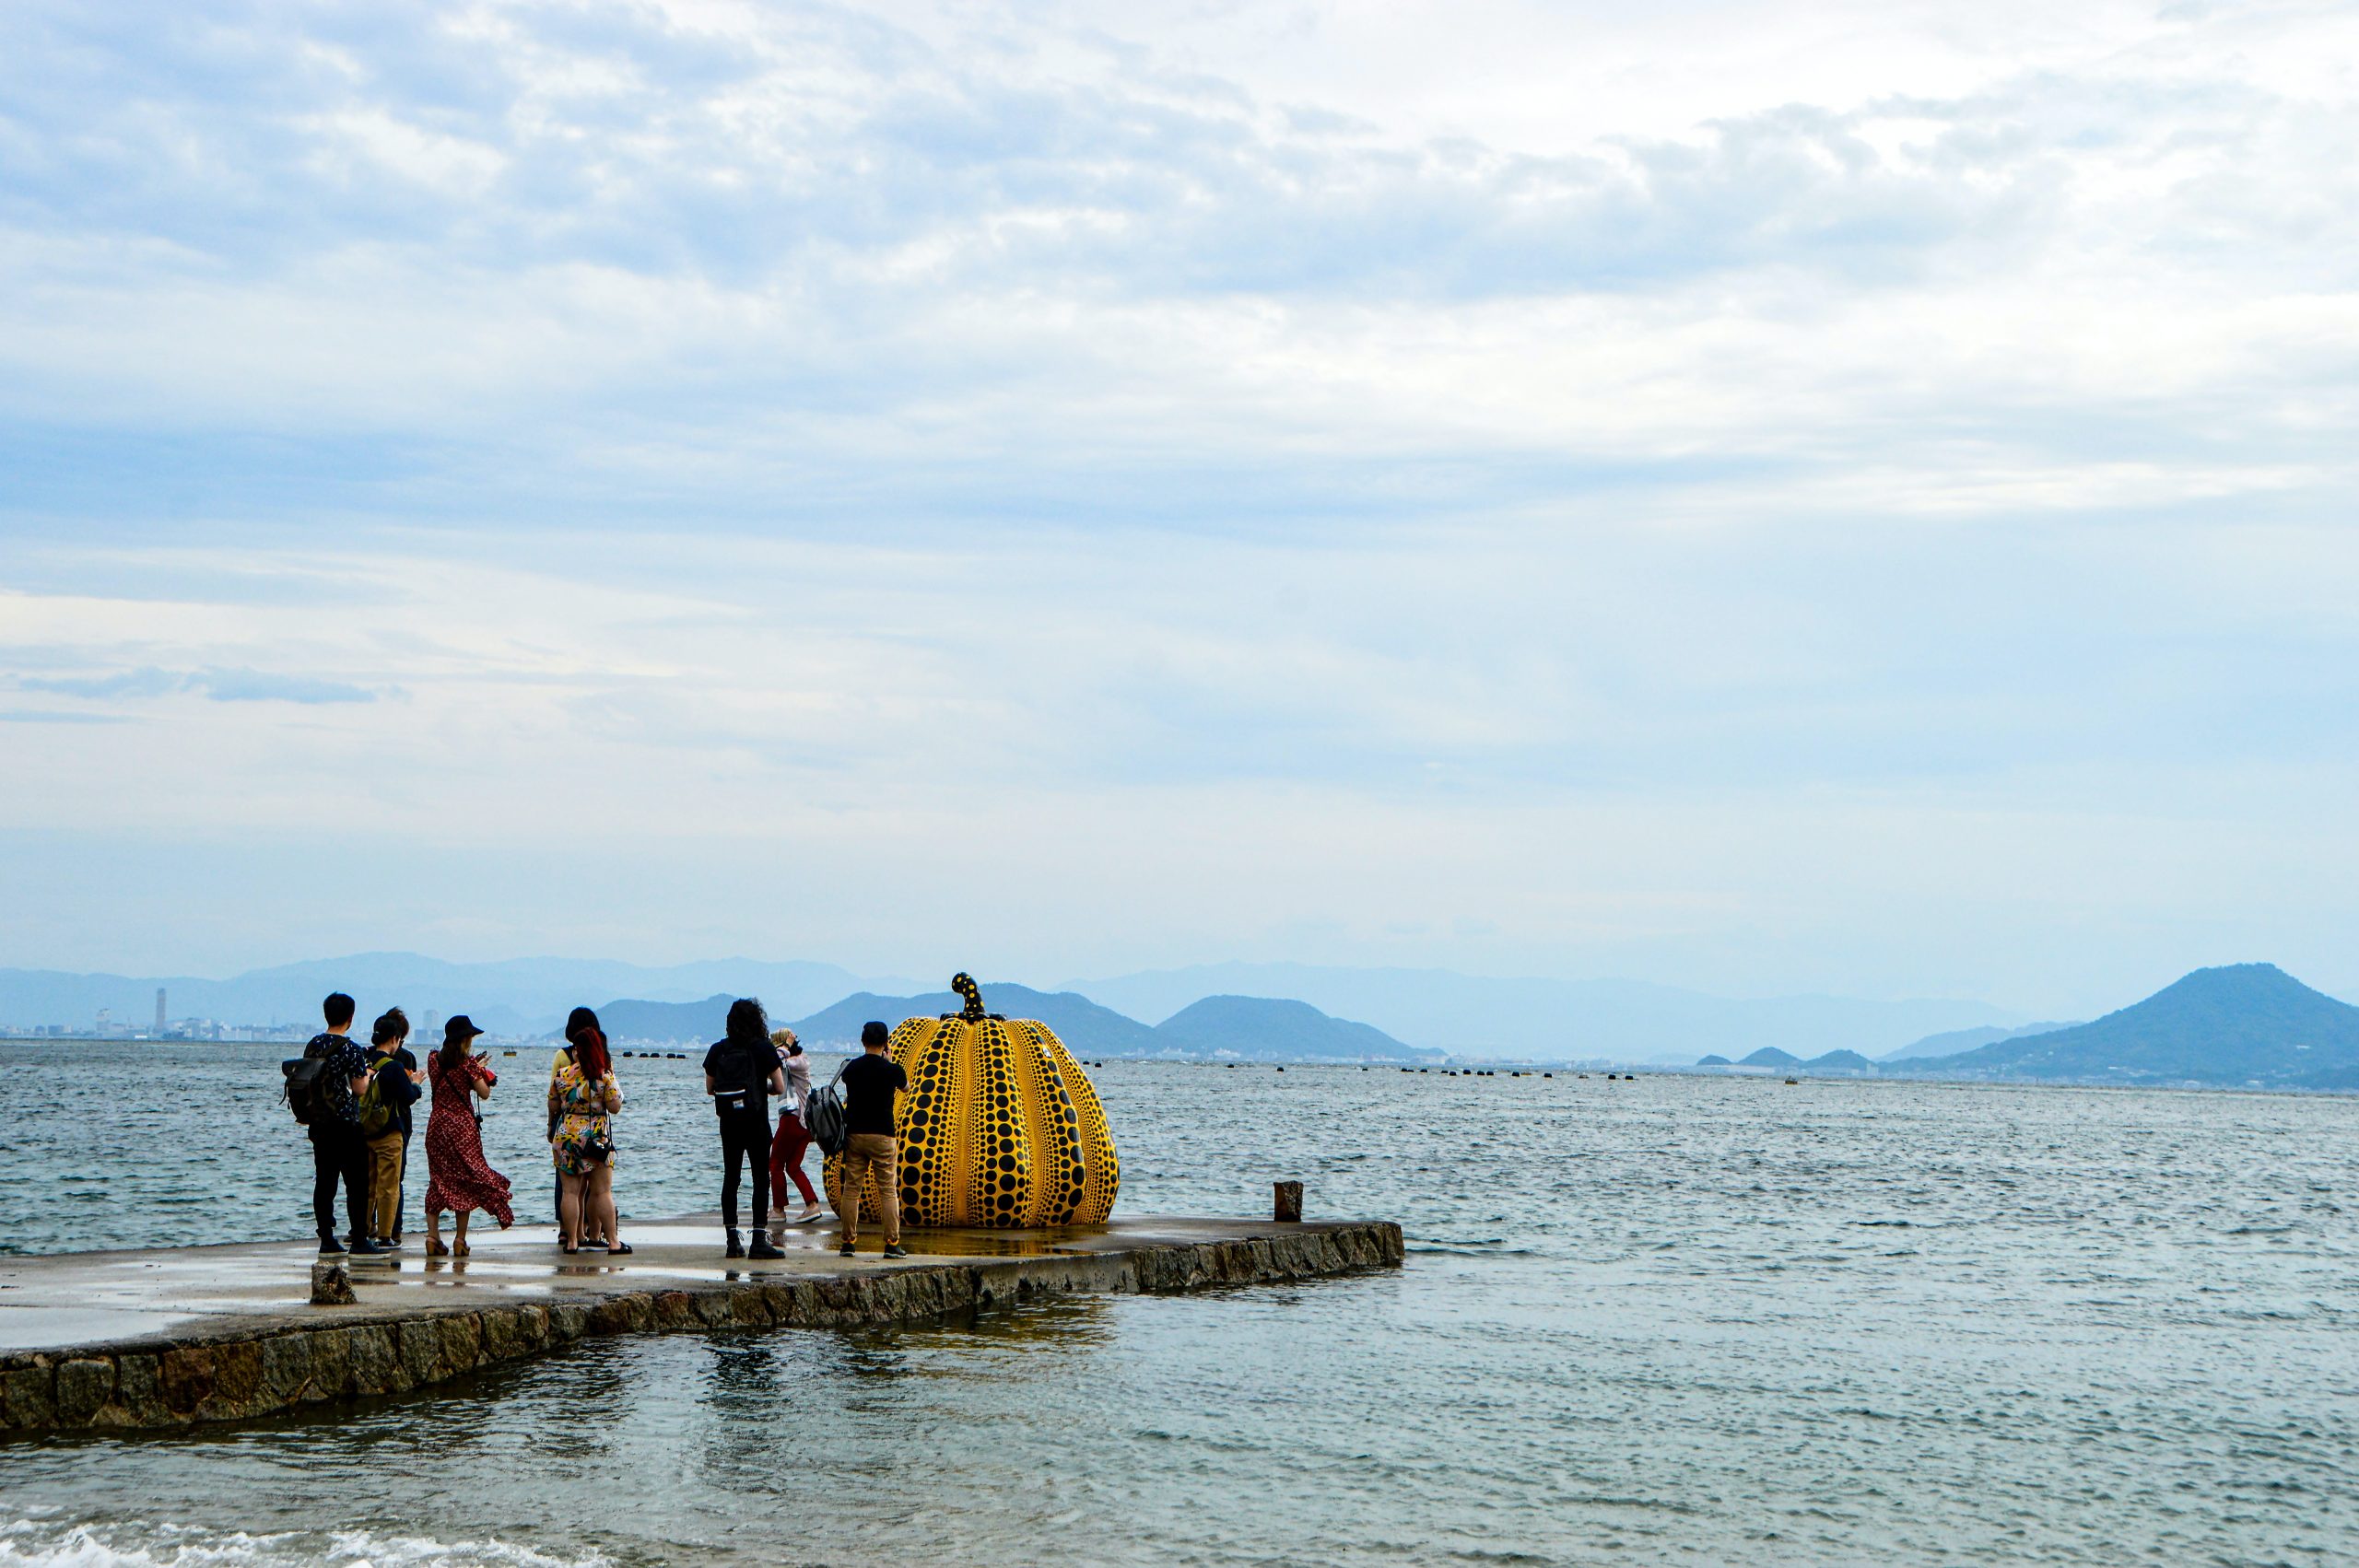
[
  {"x": 1289, "y": 1207},
  {"x": 330, "y": 1283}
]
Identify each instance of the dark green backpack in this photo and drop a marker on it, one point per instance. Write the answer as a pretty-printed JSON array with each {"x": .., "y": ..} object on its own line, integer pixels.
[{"x": 377, "y": 1112}]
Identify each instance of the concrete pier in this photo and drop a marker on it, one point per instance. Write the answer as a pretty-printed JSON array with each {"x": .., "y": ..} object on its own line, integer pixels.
[{"x": 172, "y": 1336}]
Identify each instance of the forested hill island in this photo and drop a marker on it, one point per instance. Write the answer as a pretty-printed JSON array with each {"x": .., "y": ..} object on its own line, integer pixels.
[
  {"x": 1241, "y": 1027},
  {"x": 2245, "y": 1025}
]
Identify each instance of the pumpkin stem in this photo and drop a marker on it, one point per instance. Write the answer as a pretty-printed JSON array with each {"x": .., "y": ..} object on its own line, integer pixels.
[{"x": 965, "y": 986}]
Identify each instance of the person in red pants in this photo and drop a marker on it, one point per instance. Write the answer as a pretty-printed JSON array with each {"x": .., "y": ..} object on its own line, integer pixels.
[{"x": 793, "y": 1138}]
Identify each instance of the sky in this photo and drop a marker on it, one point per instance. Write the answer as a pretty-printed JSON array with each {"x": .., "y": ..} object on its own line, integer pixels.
[{"x": 1770, "y": 498}]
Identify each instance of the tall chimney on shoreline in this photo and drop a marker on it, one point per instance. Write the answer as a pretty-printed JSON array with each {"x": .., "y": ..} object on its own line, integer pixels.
[{"x": 160, "y": 1012}]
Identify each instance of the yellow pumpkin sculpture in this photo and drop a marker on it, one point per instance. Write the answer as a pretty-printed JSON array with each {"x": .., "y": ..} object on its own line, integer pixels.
[{"x": 1000, "y": 1126}]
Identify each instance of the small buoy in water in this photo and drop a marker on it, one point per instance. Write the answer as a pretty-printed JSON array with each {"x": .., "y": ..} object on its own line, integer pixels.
[
  {"x": 1547, "y": 1075},
  {"x": 1281, "y": 1069},
  {"x": 1793, "y": 1080},
  {"x": 508, "y": 1053}
]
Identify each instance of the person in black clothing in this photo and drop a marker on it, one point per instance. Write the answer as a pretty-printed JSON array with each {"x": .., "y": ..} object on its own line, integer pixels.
[
  {"x": 384, "y": 1122},
  {"x": 741, "y": 1073},
  {"x": 336, "y": 1149},
  {"x": 407, "y": 1060},
  {"x": 872, "y": 1149}
]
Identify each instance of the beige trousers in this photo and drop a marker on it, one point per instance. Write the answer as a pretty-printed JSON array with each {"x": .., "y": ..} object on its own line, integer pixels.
[
  {"x": 864, "y": 1153},
  {"x": 385, "y": 1185}
]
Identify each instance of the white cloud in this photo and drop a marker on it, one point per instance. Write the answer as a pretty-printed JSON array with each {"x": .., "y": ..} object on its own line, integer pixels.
[{"x": 1719, "y": 493}]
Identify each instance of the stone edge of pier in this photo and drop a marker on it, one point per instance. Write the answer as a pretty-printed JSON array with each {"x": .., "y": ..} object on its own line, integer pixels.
[{"x": 238, "y": 1374}]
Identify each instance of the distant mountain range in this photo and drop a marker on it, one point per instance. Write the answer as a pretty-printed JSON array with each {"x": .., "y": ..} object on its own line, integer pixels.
[
  {"x": 665, "y": 1023},
  {"x": 1770, "y": 1057},
  {"x": 1564, "y": 1020},
  {"x": 1269, "y": 1029},
  {"x": 1951, "y": 1041},
  {"x": 521, "y": 995},
  {"x": 1428, "y": 1010},
  {"x": 1251, "y": 1028},
  {"x": 1087, "y": 1028},
  {"x": 2242, "y": 1025}
]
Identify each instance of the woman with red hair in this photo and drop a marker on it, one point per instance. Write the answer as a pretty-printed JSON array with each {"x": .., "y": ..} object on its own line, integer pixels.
[{"x": 583, "y": 1096}]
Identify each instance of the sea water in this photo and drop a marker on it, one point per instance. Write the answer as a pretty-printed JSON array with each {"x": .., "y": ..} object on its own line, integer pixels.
[{"x": 1669, "y": 1320}]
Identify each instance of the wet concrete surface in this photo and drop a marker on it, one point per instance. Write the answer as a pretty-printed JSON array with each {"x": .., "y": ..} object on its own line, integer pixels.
[{"x": 69, "y": 1301}]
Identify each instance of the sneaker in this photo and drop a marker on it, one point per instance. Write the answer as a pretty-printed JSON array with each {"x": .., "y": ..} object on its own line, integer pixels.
[
  {"x": 845, "y": 1251},
  {"x": 362, "y": 1246},
  {"x": 808, "y": 1215},
  {"x": 897, "y": 1250},
  {"x": 389, "y": 1244},
  {"x": 329, "y": 1247}
]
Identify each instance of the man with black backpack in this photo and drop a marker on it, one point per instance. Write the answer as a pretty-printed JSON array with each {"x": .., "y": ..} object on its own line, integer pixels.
[
  {"x": 337, "y": 1150},
  {"x": 741, "y": 1071}
]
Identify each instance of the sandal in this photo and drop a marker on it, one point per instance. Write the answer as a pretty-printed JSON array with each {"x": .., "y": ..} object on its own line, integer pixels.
[
  {"x": 459, "y": 1249},
  {"x": 436, "y": 1249},
  {"x": 620, "y": 1249}
]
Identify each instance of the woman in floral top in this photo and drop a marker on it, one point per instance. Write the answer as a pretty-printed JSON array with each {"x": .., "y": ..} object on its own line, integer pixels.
[{"x": 582, "y": 1095}]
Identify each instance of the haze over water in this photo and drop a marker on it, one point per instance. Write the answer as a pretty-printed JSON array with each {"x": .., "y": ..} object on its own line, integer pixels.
[{"x": 1671, "y": 1320}]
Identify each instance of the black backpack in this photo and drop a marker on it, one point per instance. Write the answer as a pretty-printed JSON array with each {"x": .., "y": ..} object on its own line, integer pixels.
[
  {"x": 306, "y": 1090},
  {"x": 823, "y": 1115},
  {"x": 739, "y": 1074}
]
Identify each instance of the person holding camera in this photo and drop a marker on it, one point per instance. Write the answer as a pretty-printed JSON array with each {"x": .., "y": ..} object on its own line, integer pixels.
[
  {"x": 741, "y": 1071},
  {"x": 457, "y": 1176},
  {"x": 583, "y": 1096},
  {"x": 793, "y": 1137}
]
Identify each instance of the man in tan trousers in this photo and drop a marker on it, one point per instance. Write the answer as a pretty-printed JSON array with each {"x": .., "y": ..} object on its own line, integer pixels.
[{"x": 871, "y": 1080}]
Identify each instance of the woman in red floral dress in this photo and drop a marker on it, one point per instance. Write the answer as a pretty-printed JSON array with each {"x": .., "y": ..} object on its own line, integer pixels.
[{"x": 458, "y": 1176}]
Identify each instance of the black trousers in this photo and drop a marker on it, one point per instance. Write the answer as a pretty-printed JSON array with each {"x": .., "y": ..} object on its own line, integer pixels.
[
  {"x": 338, "y": 1151},
  {"x": 745, "y": 1137}
]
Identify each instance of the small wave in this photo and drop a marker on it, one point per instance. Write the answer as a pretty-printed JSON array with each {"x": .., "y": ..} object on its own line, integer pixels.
[
  {"x": 144, "y": 1545},
  {"x": 1439, "y": 1250}
]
